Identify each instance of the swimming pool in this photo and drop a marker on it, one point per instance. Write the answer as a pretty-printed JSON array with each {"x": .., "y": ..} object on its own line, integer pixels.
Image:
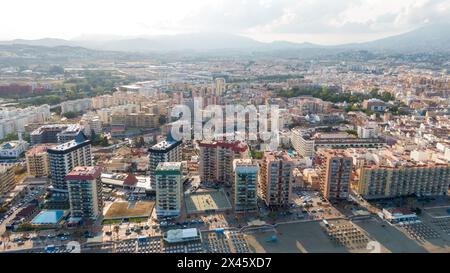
[{"x": 46, "y": 217}]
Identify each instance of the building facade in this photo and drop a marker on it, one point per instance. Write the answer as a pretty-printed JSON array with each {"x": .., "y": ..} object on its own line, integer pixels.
[
  {"x": 13, "y": 149},
  {"x": 85, "y": 192},
  {"x": 384, "y": 182},
  {"x": 245, "y": 187},
  {"x": 374, "y": 105},
  {"x": 55, "y": 133},
  {"x": 37, "y": 161},
  {"x": 216, "y": 160},
  {"x": 7, "y": 179},
  {"x": 64, "y": 158},
  {"x": 164, "y": 151},
  {"x": 335, "y": 174},
  {"x": 169, "y": 188},
  {"x": 276, "y": 179},
  {"x": 305, "y": 142}
]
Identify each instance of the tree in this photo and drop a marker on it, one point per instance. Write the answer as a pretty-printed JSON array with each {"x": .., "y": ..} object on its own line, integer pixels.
[
  {"x": 140, "y": 142},
  {"x": 94, "y": 136},
  {"x": 116, "y": 230},
  {"x": 104, "y": 142},
  {"x": 71, "y": 114},
  {"x": 162, "y": 120},
  {"x": 56, "y": 69},
  {"x": 3, "y": 210},
  {"x": 10, "y": 137},
  {"x": 257, "y": 154}
]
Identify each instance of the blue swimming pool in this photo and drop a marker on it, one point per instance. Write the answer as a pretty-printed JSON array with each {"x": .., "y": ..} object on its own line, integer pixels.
[
  {"x": 48, "y": 217},
  {"x": 291, "y": 153}
]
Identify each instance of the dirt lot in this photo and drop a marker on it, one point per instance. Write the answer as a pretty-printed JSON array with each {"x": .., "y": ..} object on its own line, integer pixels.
[{"x": 120, "y": 210}]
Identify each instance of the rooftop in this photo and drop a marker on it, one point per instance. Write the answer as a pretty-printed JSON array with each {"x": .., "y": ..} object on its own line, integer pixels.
[
  {"x": 164, "y": 145},
  {"x": 11, "y": 144},
  {"x": 245, "y": 165},
  {"x": 67, "y": 145},
  {"x": 271, "y": 156},
  {"x": 53, "y": 127},
  {"x": 236, "y": 146},
  {"x": 169, "y": 166},
  {"x": 178, "y": 235},
  {"x": 38, "y": 149},
  {"x": 84, "y": 173}
]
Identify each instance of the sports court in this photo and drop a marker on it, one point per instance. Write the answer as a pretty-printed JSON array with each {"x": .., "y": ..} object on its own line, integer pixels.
[{"x": 212, "y": 201}]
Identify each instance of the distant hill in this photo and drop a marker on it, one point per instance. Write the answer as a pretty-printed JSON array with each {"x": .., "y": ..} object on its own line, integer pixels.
[
  {"x": 425, "y": 39},
  {"x": 49, "y": 42}
]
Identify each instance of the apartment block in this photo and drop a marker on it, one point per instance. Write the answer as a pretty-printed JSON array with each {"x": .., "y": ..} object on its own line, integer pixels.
[
  {"x": 55, "y": 133},
  {"x": 85, "y": 192},
  {"x": 335, "y": 172},
  {"x": 378, "y": 181},
  {"x": 169, "y": 188},
  {"x": 164, "y": 151},
  {"x": 216, "y": 160},
  {"x": 7, "y": 179},
  {"x": 276, "y": 179},
  {"x": 245, "y": 187},
  {"x": 64, "y": 158},
  {"x": 37, "y": 160}
]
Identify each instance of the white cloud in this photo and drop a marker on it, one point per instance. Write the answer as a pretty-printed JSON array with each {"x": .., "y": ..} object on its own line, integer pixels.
[{"x": 339, "y": 20}]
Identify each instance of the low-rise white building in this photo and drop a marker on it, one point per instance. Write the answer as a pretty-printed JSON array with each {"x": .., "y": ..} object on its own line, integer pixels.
[{"x": 13, "y": 149}]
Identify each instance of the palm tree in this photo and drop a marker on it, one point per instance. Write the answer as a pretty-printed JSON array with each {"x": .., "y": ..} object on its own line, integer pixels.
[
  {"x": 116, "y": 230},
  {"x": 6, "y": 236}
]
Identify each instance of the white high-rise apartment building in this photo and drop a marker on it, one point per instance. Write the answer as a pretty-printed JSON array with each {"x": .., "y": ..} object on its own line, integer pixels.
[
  {"x": 245, "y": 186},
  {"x": 169, "y": 188},
  {"x": 164, "y": 151},
  {"x": 64, "y": 158}
]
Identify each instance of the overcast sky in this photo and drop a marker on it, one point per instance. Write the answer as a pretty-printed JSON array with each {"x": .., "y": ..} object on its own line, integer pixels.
[{"x": 318, "y": 21}]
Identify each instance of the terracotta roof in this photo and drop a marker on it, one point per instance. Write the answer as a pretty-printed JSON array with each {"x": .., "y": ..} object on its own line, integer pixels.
[
  {"x": 131, "y": 180},
  {"x": 84, "y": 173}
]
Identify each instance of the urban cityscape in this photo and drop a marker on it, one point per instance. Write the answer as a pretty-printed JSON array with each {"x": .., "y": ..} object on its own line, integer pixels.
[{"x": 127, "y": 145}]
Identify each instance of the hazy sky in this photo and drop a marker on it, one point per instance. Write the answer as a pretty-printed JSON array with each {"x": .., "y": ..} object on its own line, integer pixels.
[{"x": 319, "y": 21}]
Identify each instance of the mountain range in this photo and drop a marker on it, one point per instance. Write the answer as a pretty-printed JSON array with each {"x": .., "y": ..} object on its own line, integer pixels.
[{"x": 425, "y": 39}]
